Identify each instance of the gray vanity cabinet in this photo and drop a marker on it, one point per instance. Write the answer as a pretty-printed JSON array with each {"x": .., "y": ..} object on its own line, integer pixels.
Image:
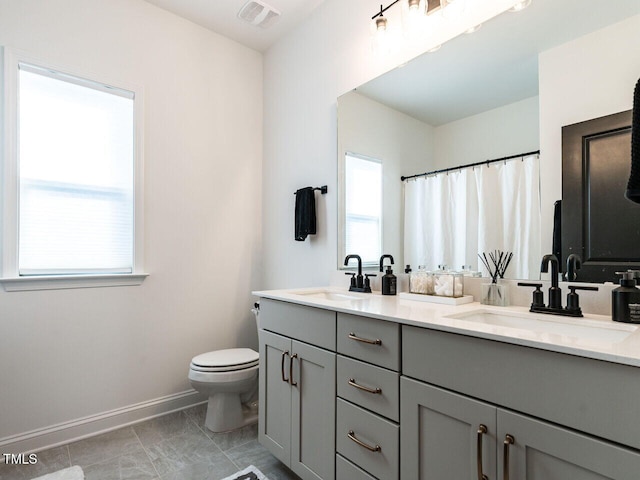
[
  {"x": 542, "y": 451},
  {"x": 368, "y": 408},
  {"x": 445, "y": 435},
  {"x": 274, "y": 422},
  {"x": 297, "y": 391},
  {"x": 442, "y": 431}
]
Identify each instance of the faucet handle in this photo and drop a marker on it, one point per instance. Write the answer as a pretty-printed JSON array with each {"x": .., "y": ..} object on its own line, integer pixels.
[
  {"x": 573, "y": 301},
  {"x": 367, "y": 282},
  {"x": 538, "y": 295},
  {"x": 573, "y": 288},
  {"x": 353, "y": 279}
]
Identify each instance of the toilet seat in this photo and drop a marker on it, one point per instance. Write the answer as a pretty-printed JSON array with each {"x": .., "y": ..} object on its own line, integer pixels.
[{"x": 232, "y": 359}]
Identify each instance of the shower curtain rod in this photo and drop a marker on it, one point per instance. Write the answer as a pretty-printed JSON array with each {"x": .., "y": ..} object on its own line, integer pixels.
[{"x": 486, "y": 162}]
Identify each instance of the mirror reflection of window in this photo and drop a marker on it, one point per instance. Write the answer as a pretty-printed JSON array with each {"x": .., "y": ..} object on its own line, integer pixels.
[{"x": 363, "y": 207}]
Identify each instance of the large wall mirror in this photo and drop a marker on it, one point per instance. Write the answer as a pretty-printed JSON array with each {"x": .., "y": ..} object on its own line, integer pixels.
[{"x": 475, "y": 99}]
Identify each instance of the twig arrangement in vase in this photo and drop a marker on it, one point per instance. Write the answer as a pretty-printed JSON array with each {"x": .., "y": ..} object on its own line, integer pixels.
[
  {"x": 500, "y": 261},
  {"x": 496, "y": 265}
]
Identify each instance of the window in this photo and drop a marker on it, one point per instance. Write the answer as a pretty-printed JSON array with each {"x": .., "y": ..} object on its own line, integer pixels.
[
  {"x": 363, "y": 208},
  {"x": 72, "y": 186}
]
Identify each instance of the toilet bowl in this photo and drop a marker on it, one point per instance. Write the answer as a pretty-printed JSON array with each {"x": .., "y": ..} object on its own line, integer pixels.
[{"x": 230, "y": 379}]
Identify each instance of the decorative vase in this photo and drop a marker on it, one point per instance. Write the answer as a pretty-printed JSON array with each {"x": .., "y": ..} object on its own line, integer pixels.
[{"x": 494, "y": 294}]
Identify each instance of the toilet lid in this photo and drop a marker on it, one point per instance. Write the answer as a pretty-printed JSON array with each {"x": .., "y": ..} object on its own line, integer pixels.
[{"x": 232, "y": 357}]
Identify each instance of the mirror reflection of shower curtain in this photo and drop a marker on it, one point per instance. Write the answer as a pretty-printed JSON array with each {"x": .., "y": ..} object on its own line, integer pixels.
[
  {"x": 437, "y": 212},
  {"x": 449, "y": 219}
]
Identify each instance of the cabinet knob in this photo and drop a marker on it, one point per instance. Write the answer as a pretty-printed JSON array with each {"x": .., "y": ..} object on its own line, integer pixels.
[
  {"x": 284, "y": 354},
  {"x": 482, "y": 429},
  {"x": 353, "y": 437},
  {"x": 353, "y": 336},
  {"x": 291, "y": 382},
  {"x": 508, "y": 440},
  {"x": 353, "y": 383}
]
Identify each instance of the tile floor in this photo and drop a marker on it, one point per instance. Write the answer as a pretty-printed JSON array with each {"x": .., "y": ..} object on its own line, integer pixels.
[{"x": 172, "y": 447}]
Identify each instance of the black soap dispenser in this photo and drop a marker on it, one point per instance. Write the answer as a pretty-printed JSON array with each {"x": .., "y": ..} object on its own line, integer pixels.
[
  {"x": 625, "y": 300},
  {"x": 389, "y": 280}
]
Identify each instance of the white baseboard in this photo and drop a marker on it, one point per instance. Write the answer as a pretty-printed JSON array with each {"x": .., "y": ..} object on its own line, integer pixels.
[{"x": 67, "y": 432}]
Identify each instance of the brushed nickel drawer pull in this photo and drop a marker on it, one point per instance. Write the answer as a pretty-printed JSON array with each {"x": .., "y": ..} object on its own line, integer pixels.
[
  {"x": 352, "y": 436},
  {"x": 353, "y": 336},
  {"x": 508, "y": 440},
  {"x": 482, "y": 429},
  {"x": 284, "y": 354},
  {"x": 353, "y": 383},
  {"x": 293, "y": 384}
]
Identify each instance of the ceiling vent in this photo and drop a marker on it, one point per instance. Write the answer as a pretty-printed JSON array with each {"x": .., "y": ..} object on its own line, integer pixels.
[{"x": 258, "y": 13}]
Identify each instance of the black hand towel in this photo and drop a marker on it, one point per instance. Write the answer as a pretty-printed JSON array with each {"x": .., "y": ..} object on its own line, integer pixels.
[
  {"x": 633, "y": 187},
  {"x": 305, "y": 217},
  {"x": 557, "y": 230}
]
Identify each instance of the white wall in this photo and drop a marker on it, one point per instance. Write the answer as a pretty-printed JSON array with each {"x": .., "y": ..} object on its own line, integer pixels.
[
  {"x": 587, "y": 78},
  {"x": 403, "y": 144},
  {"x": 70, "y": 354},
  {"x": 503, "y": 131}
]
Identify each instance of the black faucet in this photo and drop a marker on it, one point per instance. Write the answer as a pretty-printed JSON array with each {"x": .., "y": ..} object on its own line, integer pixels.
[
  {"x": 555, "y": 294},
  {"x": 574, "y": 262},
  {"x": 358, "y": 284},
  {"x": 382, "y": 261}
]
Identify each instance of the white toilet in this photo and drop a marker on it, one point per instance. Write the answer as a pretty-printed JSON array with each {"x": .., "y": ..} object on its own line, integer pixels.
[{"x": 230, "y": 379}]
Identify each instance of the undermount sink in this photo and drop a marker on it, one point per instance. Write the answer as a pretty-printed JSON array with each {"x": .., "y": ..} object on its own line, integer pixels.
[
  {"x": 574, "y": 330},
  {"x": 329, "y": 295}
]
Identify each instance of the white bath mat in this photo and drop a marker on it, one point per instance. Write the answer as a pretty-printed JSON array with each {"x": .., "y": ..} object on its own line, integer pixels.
[
  {"x": 249, "y": 473},
  {"x": 71, "y": 473}
]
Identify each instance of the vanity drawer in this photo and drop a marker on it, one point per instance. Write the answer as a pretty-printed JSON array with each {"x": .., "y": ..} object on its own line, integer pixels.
[
  {"x": 384, "y": 382},
  {"x": 371, "y": 340},
  {"x": 354, "y": 423},
  {"x": 347, "y": 470},
  {"x": 307, "y": 324}
]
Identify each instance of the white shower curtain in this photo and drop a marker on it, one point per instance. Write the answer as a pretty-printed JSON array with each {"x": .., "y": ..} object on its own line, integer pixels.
[{"x": 450, "y": 218}]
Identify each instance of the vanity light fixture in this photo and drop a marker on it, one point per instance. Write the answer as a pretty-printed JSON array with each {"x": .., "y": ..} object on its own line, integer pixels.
[
  {"x": 386, "y": 35},
  {"x": 381, "y": 21},
  {"x": 414, "y": 8},
  {"x": 413, "y": 12}
]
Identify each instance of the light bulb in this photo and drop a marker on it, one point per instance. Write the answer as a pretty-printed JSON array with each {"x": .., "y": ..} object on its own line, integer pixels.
[
  {"x": 413, "y": 16},
  {"x": 381, "y": 24},
  {"x": 474, "y": 28},
  {"x": 520, "y": 6}
]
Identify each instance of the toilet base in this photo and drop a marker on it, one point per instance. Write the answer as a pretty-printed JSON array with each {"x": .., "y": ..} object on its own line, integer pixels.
[{"x": 226, "y": 412}]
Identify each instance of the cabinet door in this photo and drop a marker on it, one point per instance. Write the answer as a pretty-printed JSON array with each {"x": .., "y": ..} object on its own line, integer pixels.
[
  {"x": 541, "y": 451},
  {"x": 441, "y": 434},
  {"x": 274, "y": 425},
  {"x": 313, "y": 413}
]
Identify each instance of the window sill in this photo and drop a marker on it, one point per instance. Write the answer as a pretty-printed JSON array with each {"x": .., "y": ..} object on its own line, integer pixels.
[{"x": 58, "y": 282}]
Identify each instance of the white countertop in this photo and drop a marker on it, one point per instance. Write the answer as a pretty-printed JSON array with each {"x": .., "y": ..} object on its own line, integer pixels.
[{"x": 593, "y": 336}]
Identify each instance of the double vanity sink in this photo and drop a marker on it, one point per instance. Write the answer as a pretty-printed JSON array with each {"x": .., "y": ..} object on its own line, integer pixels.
[
  {"x": 595, "y": 336},
  {"x": 372, "y": 387}
]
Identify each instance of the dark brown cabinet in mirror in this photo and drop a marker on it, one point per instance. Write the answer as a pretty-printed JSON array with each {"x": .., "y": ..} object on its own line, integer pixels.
[{"x": 598, "y": 222}]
